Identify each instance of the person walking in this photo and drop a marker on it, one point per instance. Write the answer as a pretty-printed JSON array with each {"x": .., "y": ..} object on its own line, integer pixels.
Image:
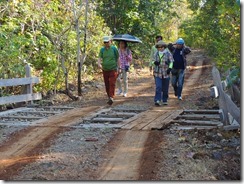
[
  {"x": 153, "y": 51},
  {"x": 178, "y": 72},
  {"x": 163, "y": 63},
  {"x": 125, "y": 57},
  {"x": 108, "y": 61}
]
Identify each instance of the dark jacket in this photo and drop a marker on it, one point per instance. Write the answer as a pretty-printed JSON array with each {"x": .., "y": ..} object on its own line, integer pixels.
[{"x": 180, "y": 55}]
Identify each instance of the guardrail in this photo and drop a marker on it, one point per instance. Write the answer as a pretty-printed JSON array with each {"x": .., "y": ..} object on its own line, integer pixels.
[
  {"x": 230, "y": 113},
  {"x": 28, "y": 82}
]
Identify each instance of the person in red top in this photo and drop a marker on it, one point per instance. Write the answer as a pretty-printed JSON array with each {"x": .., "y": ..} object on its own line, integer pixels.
[{"x": 125, "y": 57}]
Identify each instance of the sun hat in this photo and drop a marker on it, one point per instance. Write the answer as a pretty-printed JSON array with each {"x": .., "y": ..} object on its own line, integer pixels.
[
  {"x": 160, "y": 43},
  {"x": 106, "y": 38}
]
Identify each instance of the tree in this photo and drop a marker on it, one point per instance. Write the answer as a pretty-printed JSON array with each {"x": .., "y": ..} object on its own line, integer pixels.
[
  {"x": 46, "y": 39},
  {"x": 216, "y": 28}
]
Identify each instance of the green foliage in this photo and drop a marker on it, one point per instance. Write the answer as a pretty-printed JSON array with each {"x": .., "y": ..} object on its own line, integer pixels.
[
  {"x": 42, "y": 33},
  {"x": 233, "y": 77},
  {"x": 216, "y": 28},
  {"x": 145, "y": 19}
]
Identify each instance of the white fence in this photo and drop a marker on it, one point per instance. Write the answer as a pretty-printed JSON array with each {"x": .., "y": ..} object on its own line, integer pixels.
[{"x": 28, "y": 82}]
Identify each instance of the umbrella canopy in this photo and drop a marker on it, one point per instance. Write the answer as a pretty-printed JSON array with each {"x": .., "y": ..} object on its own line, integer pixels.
[{"x": 127, "y": 38}]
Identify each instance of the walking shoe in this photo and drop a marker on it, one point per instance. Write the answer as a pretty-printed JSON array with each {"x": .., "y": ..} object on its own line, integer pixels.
[
  {"x": 180, "y": 98},
  {"x": 110, "y": 101},
  {"x": 165, "y": 103},
  {"x": 176, "y": 93},
  {"x": 119, "y": 92},
  {"x": 157, "y": 103},
  {"x": 125, "y": 95}
]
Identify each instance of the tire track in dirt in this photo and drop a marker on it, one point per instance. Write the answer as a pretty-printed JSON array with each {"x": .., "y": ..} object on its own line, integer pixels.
[{"x": 125, "y": 159}]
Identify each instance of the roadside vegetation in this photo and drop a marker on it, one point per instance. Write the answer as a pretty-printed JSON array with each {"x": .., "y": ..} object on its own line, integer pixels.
[{"x": 58, "y": 37}]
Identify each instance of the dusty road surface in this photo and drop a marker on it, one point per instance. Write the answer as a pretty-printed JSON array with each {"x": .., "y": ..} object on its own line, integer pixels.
[{"x": 59, "y": 148}]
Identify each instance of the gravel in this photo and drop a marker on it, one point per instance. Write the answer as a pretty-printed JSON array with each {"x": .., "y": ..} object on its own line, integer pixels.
[
  {"x": 6, "y": 131},
  {"x": 81, "y": 146}
]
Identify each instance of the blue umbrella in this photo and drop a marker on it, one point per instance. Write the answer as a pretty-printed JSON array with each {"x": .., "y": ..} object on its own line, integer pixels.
[{"x": 127, "y": 38}]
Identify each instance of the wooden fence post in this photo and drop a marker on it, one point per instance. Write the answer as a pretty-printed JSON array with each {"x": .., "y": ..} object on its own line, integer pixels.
[{"x": 28, "y": 86}]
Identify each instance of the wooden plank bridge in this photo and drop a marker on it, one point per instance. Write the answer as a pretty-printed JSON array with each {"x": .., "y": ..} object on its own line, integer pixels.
[{"x": 121, "y": 118}]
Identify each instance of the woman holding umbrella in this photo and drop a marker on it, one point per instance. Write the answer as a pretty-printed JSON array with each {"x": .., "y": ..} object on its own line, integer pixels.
[{"x": 125, "y": 57}]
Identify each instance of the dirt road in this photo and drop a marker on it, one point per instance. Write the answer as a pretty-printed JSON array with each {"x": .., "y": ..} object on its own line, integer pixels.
[{"x": 53, "y": 152}]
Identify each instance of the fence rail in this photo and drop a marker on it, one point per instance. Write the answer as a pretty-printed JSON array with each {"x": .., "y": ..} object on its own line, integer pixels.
[
  {"x": 27, "y": 82},
  {"x": 230, "y": 111},
  {"x": 18, "y": 81}
]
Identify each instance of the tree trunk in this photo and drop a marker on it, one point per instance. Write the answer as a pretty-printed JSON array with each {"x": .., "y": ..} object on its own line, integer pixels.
[
  {"x": 85, "y": 34},
  {"x": 76, "y": 20}
]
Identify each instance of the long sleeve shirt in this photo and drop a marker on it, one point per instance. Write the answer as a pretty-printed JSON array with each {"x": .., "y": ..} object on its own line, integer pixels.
[
  {"x": 125, "y": 58},
  {"x": 152, "y": 53},
  {"x": 166, "y": 61}
]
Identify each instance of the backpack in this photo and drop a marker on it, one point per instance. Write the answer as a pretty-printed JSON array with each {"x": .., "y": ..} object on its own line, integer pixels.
[{"x": 114, "y": 49}]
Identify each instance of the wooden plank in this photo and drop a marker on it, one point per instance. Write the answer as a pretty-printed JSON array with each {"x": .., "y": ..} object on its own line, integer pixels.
[
  {"x": 113, "y": 116},
  {"x": 118, "y": 115},
  {"x": 18, "y": 81},
  {"x": 167, "y": 121},
  {"x": 21, "y": 117},
  {"x": 127, "y": 121},
  {"x": 73, "y": 116},
  {"x": 39, "y": 112},
  {"x": 15, "y": 124},
  {"x": 203, "y": 111},
  {"x": 20, "y": 98},
  {"x": 11, "y": 111},
  {"x": 96, "y": 125},
  {"x": 198, "y": 117},
  {"x": 55, "y": 107},
  {"x": 95, "y": 114},
  {"x": 128, "y": 110},
  {"x": 193, "y": 127},
  {"x": 145, "y": 119},
  {"x": 231, "y": 127},
  {"x": 157, "y": 122},
  {"x": 122, "y": 113},
  {"x": 142, "y": 124},
  {"x": 225, "y": 103},
  {"x": 106, "y": 120},
  {"x": 189, "y": 122}
]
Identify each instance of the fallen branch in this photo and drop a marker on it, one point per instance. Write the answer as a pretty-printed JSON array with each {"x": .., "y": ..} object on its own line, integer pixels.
[{"x": 69, "y": 94}]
